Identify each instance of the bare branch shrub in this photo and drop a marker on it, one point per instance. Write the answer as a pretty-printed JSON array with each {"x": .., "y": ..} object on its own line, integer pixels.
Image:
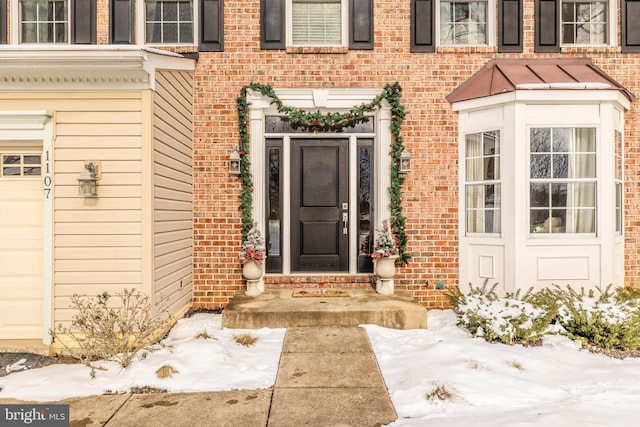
[{"x": 104, "y": 331}]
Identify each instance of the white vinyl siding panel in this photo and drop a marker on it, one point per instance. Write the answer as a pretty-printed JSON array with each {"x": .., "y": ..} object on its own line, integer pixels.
[
  {"x": 173, "y": 189},
  {"x": 97, "y": 242}
]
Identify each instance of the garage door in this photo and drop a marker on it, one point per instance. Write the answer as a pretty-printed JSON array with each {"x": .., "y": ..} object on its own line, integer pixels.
[{"x": 21, "y": 279}]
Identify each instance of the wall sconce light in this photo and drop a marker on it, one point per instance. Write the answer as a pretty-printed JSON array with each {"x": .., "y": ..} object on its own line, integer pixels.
[
  {"x": 405, "y": 162},
  {"x": 234, "y": 162},
  {"x": 88, "y": 179}
]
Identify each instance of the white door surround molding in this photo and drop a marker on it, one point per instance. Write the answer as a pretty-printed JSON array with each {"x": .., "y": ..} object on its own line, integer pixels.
[{"x": 326, "y": 100}]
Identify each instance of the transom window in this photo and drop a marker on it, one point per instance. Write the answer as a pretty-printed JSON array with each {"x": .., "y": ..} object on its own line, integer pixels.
[
  {"x": 584, "y": 22},
  {"x": 168, "y": 21},
  {"x": 15, "y": 165},
  {"x": 482, "y": 188},
  {"x": 463, "y": 22},
  {"x": 44, "y": 21},
  {"x": 316, "y": 22},
  {"x": 562, "y": 180}
]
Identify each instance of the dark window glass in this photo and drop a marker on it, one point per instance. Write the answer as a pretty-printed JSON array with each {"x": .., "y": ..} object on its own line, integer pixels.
[
  {"x": 365, "y": 204},
  {"x": 274, "y": 206},
  {"x": 279, "y": 124}
]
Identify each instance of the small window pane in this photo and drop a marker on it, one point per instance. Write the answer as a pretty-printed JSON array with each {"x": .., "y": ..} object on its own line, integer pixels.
[
  {"x": 32, "y": 160},
  {"x": 540, "y": 166},
  {"x": 11, "y": 171}
]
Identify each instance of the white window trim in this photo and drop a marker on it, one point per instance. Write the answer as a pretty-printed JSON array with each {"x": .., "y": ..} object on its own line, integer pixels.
[
  {"x": 492, "y": 10},
  {"x": 140, "y": 26},
  {"x": 15, "y": 26},
  {"x": 612, "y": 23},
  {"x": 344, "y": 9}
]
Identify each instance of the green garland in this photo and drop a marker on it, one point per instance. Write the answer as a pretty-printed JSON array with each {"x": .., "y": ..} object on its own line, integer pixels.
[{"x": 327, "y": 122}]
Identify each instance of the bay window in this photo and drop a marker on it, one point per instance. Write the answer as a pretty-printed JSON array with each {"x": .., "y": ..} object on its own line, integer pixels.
[{"x": 562, "y": 190}]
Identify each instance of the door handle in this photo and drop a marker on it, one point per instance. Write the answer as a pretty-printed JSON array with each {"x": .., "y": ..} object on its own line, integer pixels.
[{"x": 345, "y": 223}]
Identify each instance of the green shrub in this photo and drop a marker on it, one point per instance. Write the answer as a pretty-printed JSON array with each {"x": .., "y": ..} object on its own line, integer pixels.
[
  {"x": 610, "y": 320},
  {"x": 509, "y": 320}
]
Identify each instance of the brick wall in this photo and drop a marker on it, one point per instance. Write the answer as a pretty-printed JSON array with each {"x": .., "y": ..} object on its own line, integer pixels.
[{"x": 430, "y": 133}]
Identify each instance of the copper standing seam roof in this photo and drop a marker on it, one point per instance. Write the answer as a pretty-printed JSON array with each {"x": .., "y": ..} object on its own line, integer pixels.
[{"x": 507, "y": 75}]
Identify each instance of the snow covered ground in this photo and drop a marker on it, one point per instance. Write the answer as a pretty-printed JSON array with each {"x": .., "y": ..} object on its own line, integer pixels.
[{"x": 481, "y": 384}]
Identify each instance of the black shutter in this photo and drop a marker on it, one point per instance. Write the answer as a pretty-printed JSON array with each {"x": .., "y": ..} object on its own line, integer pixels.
[
  {"x": 361, "y": 24},
  {"x": 3, "y": 21},
  {"x": 422, "y": 31},
  {"x": 547, "y": 30},
  {"x": 509, "y": 26},
  {"x": 272, "y": 24},
  {"x": 211, "y": 26},
  {"x": 83, "y": 22},
  {"x": 630, "y": 32},
  {"x": 121, "y": 22}
]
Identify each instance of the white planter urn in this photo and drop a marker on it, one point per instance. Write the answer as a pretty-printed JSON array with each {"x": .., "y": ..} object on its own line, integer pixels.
[
  {"x": 385, "y": 269},
  {"x": 252, "y": 272}
]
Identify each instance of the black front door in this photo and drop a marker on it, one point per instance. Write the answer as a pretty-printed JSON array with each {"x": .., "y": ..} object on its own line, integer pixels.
[{"x": 319, "y": 205}]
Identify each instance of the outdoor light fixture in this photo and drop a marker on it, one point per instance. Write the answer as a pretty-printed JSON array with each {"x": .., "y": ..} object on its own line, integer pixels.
[
  {"x": 234, "y": 162},
  {"x": 405, "y": 162},
  {"x": 88, "y": 179}
]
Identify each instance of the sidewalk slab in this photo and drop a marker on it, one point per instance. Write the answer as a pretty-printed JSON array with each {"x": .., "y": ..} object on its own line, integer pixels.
[
  {"x": 220, "y": 409},
  {"x": 331, "y": 407},
  {"x": 347, "y": 370},
  {"x": 88, "y": 411},
  {"x": 338, "y": 339}
]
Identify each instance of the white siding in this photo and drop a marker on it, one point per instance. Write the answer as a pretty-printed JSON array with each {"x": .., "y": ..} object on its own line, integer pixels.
[{"x": 173, "y": 188}]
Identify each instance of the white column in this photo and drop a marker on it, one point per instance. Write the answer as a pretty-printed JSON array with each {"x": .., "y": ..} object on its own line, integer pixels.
[
  {"x": 257, "y": 168},
  {"x": 382, "y": 166}
]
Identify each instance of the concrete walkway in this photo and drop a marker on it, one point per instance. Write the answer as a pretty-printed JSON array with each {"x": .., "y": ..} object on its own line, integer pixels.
[{"x": 328, "y": 376}]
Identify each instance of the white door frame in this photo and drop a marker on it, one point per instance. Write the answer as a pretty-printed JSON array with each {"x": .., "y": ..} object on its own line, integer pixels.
[{"x": 323, "y": 100}]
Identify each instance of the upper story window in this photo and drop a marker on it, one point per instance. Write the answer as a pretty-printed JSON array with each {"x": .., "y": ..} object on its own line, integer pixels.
[
  {"x": 168, "y": 22},
  {"x": 44, "y": 21},
  {"x": 562, "y": 188},
  {"x": 584, "y": 22},
  {"x": 482, "y": 182},
  {"x": 337, "y": 24},
  {"x": 463, "y": 22},
  {"x": 317, "y": 23}
]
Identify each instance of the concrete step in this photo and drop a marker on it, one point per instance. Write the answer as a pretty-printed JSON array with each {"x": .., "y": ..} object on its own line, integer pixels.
[{"x": 278, "y": 308}]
